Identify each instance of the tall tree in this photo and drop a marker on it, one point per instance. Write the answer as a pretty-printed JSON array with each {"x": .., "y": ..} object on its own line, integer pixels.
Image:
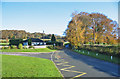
[
  {"x": 94, "y": 27},
  {"x": 29, "y": 42},
  {"x": 53, "y": 39}
]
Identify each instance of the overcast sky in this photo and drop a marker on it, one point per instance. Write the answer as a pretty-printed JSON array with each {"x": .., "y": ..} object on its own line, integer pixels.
[{"x": 52, "y": 17}]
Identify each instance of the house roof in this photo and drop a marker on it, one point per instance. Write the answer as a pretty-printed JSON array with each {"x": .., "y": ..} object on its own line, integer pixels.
[{"x": 34, "y": 40}]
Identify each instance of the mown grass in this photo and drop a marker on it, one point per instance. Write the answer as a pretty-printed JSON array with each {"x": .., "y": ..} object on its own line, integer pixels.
[
  {"x": 21, "y": 66},
  {"x": 4, "y": 44},
  {"x": 28, "y": 50},
  {"x": 99, "y": 56}
]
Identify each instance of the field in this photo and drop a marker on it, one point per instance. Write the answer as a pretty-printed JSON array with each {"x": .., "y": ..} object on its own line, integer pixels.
[
  {"x": 28, "y": 67},
  {"x": 28, "y": 50}
]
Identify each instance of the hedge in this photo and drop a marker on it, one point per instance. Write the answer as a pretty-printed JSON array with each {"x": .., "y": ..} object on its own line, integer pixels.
[
  {"x": 56, "y": 43},
  {"x": 108, "y": 50},
  {"x": 15, "y": 42}
]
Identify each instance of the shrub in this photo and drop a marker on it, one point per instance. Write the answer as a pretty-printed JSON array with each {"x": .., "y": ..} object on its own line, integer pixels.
[
  {"x": 2, "y": 47},
  {"x": 50, "y": 47},
  {"x": 13, "y": 47},
  {"x": 58, "y": 47},
  {"x": 20, "y": 46},
  {"x": 56, "y": 43},
  {"x": 108, "y": 50},
  {"x": 6, "y": 47},
  {"x": 15, "y": 41},
  {"x": 29, "y": 41},
  {"x": 9, "y": 47},
  {"x": 55, "y": 47},
  {"x": 101, "y": 50},
  {"x": 31, "y": 47},
  {"x": 111, "y": 51},
  {"x": 3, "y": 41},
  {"x": 25, "y": 47}
]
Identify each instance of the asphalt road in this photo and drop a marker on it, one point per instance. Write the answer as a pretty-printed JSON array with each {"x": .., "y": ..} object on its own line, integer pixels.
[{"x": 74, "y": 65}]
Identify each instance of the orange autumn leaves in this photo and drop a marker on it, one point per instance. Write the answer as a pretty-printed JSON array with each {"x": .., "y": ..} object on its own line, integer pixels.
[{"x": 93, "y": 28}]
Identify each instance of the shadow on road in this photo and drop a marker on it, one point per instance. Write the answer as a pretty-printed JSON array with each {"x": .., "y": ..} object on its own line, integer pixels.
[{"x": 110, "y": 68}]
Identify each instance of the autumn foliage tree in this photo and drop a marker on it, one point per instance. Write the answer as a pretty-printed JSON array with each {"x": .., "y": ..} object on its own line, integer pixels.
[{"x": 91, "y": 28}]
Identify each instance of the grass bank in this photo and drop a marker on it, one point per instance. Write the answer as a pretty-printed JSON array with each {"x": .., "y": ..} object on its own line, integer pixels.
[
  {"x": 99, "y": 56},
  {"x": 21, "y": 66},
  {"x": 28, "y": 50}
]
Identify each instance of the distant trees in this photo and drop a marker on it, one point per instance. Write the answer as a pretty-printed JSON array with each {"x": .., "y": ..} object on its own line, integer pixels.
[
  {"x": 93, "y": 28},
  {"x": 19, "y": 34},
  {"x": 22, "y": 34},
  {"x": 13, "y": 34}
]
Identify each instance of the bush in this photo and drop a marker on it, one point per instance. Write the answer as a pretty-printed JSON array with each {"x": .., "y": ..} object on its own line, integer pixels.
[
  {"x": 50, "y": 47},
  {"x": 56, "y": 47},
  {"x": 31, "y": 47},
  {"x": 13, "y": 47},
  {"x": 6, "y": 47},
  {"x": 29, "y": 41},
  {"x": 15, "y": 41},
  {"x": 108, "y": 50},
  {"x": 25, "y": 47},
  {"x": 9, "y": 47},
  {"x": 2, "y": 48},
  {"x": 56, "y": 43},
  {"x": 3, "y": 41},
  {"x": 20, "y": 46}
]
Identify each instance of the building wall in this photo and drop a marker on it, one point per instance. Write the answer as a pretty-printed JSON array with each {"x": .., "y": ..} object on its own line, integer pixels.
[
  {"x": 25, "y": 43},
  {"x": 38, "y": 43},
  {"x": 34, "y": 43}
]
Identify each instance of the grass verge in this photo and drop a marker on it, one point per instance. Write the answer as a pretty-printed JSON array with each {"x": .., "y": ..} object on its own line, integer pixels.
[
  {"x": 21, "y": 66},
  {"x": 4, "y": 44},
  {"x": 99, "y": 56},
  {"x": 28, "y": 50}
]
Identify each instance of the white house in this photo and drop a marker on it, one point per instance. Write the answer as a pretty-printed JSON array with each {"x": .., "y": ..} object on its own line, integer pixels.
[{"x": 35, "y": 42}]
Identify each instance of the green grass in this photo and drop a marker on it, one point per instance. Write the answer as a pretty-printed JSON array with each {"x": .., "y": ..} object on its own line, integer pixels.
[
  {"x": 99, "y": 56},
  {"x": 28, "y": 50},
  {"x": 4, "y": 44},
  {"x": 21, "y": 66}
]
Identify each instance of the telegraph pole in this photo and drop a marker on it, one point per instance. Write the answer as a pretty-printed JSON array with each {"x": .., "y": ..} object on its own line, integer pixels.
[{"x": 43, "y": 34}]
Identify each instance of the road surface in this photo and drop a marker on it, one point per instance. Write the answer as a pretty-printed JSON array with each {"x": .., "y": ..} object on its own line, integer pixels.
[{"x": 74, "y": 65}]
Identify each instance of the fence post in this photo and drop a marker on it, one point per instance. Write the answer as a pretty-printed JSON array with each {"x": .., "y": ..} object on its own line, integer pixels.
[
  {"x": 83, "y": 51},
  {"x": 111, "y": 57},
  {"x": 88, "y": 52}
]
